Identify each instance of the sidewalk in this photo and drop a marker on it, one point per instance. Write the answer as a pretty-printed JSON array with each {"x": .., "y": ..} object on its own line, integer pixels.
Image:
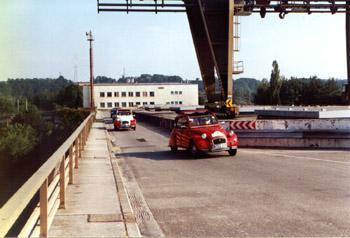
[{"x": 92, "y": 204}]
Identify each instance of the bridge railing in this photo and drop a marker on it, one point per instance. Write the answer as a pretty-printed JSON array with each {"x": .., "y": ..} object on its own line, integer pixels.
[{"x": 50, "y": 182}]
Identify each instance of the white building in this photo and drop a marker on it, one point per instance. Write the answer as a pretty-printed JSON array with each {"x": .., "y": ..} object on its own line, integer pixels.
[{"x": 111, "y": 95}]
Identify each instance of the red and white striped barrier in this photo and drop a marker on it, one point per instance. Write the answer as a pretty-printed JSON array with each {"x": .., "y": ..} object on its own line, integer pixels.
[{"x": 243, "y": 125}]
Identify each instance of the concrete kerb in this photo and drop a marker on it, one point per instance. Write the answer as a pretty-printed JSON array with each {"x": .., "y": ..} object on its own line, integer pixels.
[{"x": 132, "y": 229}]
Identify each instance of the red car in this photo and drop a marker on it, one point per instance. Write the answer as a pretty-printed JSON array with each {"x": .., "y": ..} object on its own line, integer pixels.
[
  {"x": 199, "y": 131},
  {"x": 124, "y": 120}
]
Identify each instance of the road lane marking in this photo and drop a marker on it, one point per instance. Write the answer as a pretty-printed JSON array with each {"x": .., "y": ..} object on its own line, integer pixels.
[{"x": 298, "y": 157}]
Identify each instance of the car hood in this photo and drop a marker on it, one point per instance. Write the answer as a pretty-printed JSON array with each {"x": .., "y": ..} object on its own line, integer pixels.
[{"x": 211, "y": 131}]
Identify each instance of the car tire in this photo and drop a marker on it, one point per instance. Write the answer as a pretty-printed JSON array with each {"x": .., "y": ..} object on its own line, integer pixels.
[
  {"x": 232, "y": 152},
  {"x": 173, "y": 149},
  {"x": 116, "y": 128},
  {"x": 193, "y": 150},
  {"x": 134, "y": 128}
]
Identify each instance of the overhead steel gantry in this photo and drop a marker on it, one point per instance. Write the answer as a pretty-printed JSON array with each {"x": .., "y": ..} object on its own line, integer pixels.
[{"x": 212, "y": 27}]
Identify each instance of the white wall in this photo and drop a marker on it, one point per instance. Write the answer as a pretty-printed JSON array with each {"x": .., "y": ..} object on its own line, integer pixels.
[{"x": 162, "y": 94}]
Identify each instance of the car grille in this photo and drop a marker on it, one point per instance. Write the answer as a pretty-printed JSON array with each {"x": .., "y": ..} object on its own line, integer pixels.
[{"x": 219, "y": 141}]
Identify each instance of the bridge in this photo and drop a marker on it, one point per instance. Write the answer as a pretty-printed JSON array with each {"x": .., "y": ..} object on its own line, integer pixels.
[{"x": 102, "y": 182}]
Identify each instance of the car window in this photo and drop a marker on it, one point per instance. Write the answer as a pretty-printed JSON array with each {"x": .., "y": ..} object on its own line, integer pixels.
[
  {"x": 124, "y": 113},
  {"x": 182, "y": 121},
  {"x": 203, "y": 120}
]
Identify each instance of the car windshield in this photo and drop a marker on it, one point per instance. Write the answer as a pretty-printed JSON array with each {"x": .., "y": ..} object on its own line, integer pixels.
[
  {"x": 203, "y": 120},
  {"x": 124, "y": 113}
]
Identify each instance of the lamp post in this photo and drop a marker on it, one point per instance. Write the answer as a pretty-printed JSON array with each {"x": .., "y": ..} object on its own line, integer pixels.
[{"x": 90, "y": 38}]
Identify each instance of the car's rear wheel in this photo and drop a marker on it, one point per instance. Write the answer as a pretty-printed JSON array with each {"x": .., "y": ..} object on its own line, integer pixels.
[
  {"x": 116, "y": 128},
  {"x": 232, "y": 152},
  {"x": 173, "y": 148},
  {"x": 134, "y": 128}
]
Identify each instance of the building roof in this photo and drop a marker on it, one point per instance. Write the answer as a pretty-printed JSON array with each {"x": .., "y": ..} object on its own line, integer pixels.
[{"x": 131, "y": 84}]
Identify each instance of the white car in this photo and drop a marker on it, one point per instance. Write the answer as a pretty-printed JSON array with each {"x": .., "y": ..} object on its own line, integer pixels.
[{"x": 124, "y": 120}]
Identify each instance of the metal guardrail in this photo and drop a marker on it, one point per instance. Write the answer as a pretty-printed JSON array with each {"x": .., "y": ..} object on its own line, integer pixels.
[{"x": 51, "y": 181}]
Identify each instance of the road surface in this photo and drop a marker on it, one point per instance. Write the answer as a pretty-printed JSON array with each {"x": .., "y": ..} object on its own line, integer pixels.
[{"x": 259, "y": 192}]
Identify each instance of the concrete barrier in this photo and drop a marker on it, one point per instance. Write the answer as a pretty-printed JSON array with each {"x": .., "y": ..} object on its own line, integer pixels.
[{"x": 292, "y": 125}]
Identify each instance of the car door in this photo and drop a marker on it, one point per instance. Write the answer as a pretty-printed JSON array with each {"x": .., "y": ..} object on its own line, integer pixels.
[{"x": 181, "y": 130}]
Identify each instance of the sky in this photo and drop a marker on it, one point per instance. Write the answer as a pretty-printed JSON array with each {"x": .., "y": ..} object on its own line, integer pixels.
[{"x": 47, "y": 38}]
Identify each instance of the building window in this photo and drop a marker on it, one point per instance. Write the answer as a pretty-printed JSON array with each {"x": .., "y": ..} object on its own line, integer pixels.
[
  {"x": 160, "y": 87},
  {"x": 180, "y": 92},
  {"x": 131, "y": 104},
  {"x": 151, "y": 94},
  {"x": 172, "y": 92},
  {"x": 144, "y": 94},
  {"x": 109, "y": 94},
  {"x": 116, "y": 104},
  {"x": 138, "y": 103},
  {"x": 102, "y": 94},
  {"x": 167, "y": 102},
  {"x": 172, "y": 102},
  {"x": 116, "y": 94},
  {"x": 109, "y": 104},
  {"x": 102, "y": 104},
  {"x": 131, "y": 94},
  {"x": 176, "y": 92},
  {"x": 123, "y": 94},
  {"x": 180, "y": 102},
  {"x": 151, "y": 103},
  {"x": 138, "y": 94},
  {"x": 123, "y": 104},
  {"x": 144, "y": 103},
  {"x": 176, "y": 102}
]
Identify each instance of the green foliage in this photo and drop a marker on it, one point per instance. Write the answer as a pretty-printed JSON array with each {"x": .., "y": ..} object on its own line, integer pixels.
[
  {"x": 244, "y": 90},
  {"x": 17, "y": 140},
  {"x": 262, "y": 94},
  {"x": 70, "y": 96},
  {"x": 41, "y": 92},
  {"x": 275, "y": 84},
  {"x": 7, "y": 105},
  {"x": 104, "y": 79}
]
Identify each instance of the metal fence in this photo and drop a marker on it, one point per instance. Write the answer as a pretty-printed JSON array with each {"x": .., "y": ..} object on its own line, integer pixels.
[{"x": 50, "y": 181}]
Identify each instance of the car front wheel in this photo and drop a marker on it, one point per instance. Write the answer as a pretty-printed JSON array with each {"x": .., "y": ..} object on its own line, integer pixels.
[
  {"x": 193, "y": 150},
  {"x": 232, "y": 152}
]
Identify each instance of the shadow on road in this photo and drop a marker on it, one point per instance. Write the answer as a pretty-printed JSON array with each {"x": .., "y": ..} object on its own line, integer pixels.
[{"x": 168, "y": 155}]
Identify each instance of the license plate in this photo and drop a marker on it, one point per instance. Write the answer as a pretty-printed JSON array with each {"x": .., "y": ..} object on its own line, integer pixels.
[{"x": 219, "y": 146}]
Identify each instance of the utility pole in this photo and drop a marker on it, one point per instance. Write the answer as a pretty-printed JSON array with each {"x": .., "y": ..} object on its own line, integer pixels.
[{"x": 90, "y": 38}]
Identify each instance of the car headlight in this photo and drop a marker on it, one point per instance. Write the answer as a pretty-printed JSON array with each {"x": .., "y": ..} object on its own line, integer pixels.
[
  {"x": 231, "y": 133},
  {"x": 204, "y": 136}
]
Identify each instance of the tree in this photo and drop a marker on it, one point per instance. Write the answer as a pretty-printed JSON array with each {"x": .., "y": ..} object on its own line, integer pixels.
[
  {"x": 275, "y": 84},
  {"x": 261, "y": 97},
  {"x": 71, "y": 96},
  {"x": 17, "y": 140},
  {"x": 7, "y": 105}
]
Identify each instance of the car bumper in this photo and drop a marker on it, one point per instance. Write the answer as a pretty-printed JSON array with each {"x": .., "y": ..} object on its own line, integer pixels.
[{"x": 225, "y": 148}]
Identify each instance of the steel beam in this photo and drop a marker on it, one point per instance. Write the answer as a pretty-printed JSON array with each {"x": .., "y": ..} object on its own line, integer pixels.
[{"x": 347, "y": 26}]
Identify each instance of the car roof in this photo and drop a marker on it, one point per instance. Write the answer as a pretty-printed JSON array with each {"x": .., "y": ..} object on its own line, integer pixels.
[{"x": 193, "y": 112}]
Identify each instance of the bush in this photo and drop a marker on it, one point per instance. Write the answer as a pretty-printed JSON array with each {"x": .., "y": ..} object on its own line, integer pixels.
[{"x": 17, "y": 140}]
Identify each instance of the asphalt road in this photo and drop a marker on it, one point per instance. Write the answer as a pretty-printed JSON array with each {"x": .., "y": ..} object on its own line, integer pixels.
[{"x": 259, "y": 192}]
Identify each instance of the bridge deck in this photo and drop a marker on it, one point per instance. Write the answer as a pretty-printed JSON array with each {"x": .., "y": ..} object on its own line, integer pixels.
[{"x": 92, "y": 205}]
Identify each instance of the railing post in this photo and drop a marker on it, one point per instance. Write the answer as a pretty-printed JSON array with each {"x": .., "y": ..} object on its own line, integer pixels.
[
  {"x": 71, "y": 165},
  {"x": 62, "y": 184},
  {"x": 43, "y": 209},
  {"x": 76, "y": 144}
]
